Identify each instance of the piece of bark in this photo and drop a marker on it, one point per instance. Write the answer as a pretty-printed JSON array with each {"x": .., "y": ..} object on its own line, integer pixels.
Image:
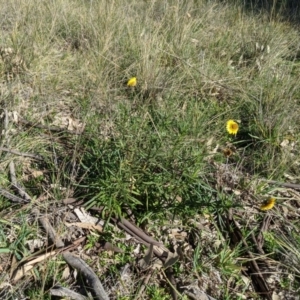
[
  {"x": 12, "y": 197},
  {"x": 92, "y": 279},
  {"x": 64, "y": 292},
  {"x": 49, "y": 230},
  {"x": 140, "y": 233},
  {"x": 19, "y": 273},
  {"x": 158, "y": 248},
  {"x": 171, "y": 280}
]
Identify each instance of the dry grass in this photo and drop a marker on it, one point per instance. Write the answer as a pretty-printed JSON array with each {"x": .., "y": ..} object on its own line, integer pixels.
[{"x": 155, "y": 149}]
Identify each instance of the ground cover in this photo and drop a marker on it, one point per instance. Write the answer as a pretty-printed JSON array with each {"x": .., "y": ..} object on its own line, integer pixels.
[{"x": 157, "y": 141}]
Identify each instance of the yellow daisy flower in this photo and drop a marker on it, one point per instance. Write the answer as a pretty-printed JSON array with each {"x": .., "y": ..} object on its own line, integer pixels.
[
  {"x": 132, "y": 81},
  {"x": 232, "y": 127},
  {"x": 269, "y": 204}
]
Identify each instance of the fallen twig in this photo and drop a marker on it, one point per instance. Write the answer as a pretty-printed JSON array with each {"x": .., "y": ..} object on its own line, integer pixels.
[
  {"x": 49, "y": 229},
  {"x": 264, "y": 227},
  {"x": 12, "y": 197},
  {"x": 24, "y": 154},
  {"x": 15, "y": 183},
  {"x": 287, "y": 185},
  {"x": 64, "y": 292},
  {"x": 19, "y": 269},
  {"x": 23, "y": 194},
  {"x": 6, "y": 121},
  {"x": 20, "y": 272},
  {"x": 140, "y": 233},
  {"x": 259, "y": 283},
  {"x": 169, "y": 276},
  {"x": 54, "y": 129},
  {"x": 144, "y": 284},
  {"x": 158, "y": 248},
  {"x": 88, "y": 273}
]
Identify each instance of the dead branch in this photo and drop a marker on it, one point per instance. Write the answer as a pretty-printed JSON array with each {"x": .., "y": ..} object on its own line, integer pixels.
[
  {"x": 140, "y": 233},
  {"x": 264, "y": 227},
  {"x": 172, "y": 283},
  {"x": 158, "y": 248},
  {"x": 15, "y": 183},
  {"x": 259, "y": 283},
  {"x": 24, "y": 154},
  {"x": 64, "y": 292},
  {"x": 12, "y": 197},
  {"x": 144, "y": 285},
  {"x": 88, "y": 273},
  {"x": 284, "y": 184},
  {"x": 49, "y": 229}
]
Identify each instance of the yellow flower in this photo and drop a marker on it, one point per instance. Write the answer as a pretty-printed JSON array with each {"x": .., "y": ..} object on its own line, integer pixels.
[
  {"x": 232, "y": 127},
  {"x": 269, "y": 204},
  {"x": 132, "y": 81}
]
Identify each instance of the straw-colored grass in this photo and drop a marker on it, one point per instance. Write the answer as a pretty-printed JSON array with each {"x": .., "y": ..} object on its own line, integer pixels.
[{"x": 155, "y": 149}]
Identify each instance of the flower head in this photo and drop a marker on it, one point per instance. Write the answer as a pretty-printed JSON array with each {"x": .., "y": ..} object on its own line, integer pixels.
[
  {"x": 227, "y": 152},
  {"x": 232, "y": 127},
  {"x": 269, "y": 204},
  {"x": 132, "y": 81}
]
